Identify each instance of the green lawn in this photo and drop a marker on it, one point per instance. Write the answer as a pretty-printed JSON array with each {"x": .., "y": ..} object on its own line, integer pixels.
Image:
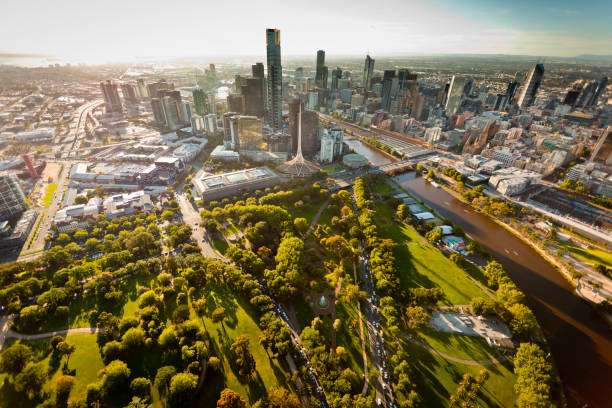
[
  {"x": 240, "y": 320},
  {"x": 348, "y": 335},
  {"x": 591, "y": 256},
  {"x": 397, "y": 231},
  {"x": 381, "y": 188},
  {"x": 333, "y": 168},
  {"x": 85, "y": 361},
  {"x": 49, "y": 191},
  {"x": 230, "y": 230},
  {"x": 437, "y": 378},
  {"x": 307, "y": 211},
  {"x": 457, "y": 345},
  {"x": 421, "y": 265},
  {"x": 221, "y": 245}
]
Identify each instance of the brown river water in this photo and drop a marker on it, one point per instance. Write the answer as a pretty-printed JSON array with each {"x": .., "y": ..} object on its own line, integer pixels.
[{"x": 580, "y": 340}]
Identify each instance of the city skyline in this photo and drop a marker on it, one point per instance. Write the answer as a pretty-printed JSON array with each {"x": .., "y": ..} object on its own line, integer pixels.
[{"x": 117, "y": 31}]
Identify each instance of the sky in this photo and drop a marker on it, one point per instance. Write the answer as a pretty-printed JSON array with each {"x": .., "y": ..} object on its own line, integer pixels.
[{"x": 121, "y": 30}]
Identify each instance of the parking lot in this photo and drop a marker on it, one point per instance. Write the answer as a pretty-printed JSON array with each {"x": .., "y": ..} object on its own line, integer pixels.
[{"x": 469, "y": 325}]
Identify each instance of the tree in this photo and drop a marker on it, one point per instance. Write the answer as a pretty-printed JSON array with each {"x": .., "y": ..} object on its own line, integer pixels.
[
  {"x": 218, "y": 315},
  {"x": 416, "y": 317},
  {"x": 111, "y": 351},
  {"x": 214, "y": 363},
  {"x": 91, "y": 243},
  {"x": 301, "y": 225},
  {"x": 133, "y": 339},
  {"x": 116, "y": 377},
  {"x": 182, "y": 390},
  {"x": 244, "y": 359},
  {"x": 80, "y": 199},
  {"x": 31, "y": 380},
  {"x": 63, "y": 238},
  {"x": 141, "y": 387},
  {"x": 81, "y": 235},
  {"x": 66, "y": 349},
  {"x": 282, "y": 398},
  {"x": 15, "y": 358},
  {"x": 494, "y": 273},
  {"x": 523, "y": 321},
  {"x": 533, "y": 377},
  {"x": 230, "y": 399},
  {"x": 431, "y": 175},
  {"x": 434, "y": 236},
  {"x": 163, "y": 377},
  {"x": 63, "y": 386}
]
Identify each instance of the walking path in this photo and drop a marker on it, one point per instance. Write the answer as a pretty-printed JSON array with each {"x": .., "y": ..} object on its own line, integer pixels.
[
  {"x": 314, "y": 220},
  {"x": 6, "y": 332},
  {"x": 458, "y": 360}
]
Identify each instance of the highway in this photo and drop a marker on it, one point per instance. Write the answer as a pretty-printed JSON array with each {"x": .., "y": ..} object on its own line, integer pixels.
[{"x": 191, "y": 216}]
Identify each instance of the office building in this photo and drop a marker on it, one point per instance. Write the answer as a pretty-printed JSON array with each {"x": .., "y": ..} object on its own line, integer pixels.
[
  {"x": 253, "y": 96},
  {"x": 172, "y": 112},
  {"x": 112, "y": 102},
  {"x": 197, "y": 124},
  {"x": 155, "y": 87},
  {"x": 455, "y": 92},
  {"x": 249, "y": 130},
  {"x": 309, "y": 129},
  {"x": 12, "y": 199},
  {"x": 368, "y": 70},
  {"x": 387, "y": 91},
  {"x": 587, "y": 95},
  {"x": 275, "y": 78},
  {"x": 141, "y": 88},
  {"x": 321, "y": 70},
  {"x": 602, "y": 152},
  {"x": 336, "y": 75},
  {"x": 510, "y": 91},
  {"x": 603, "y": 83},
  {"x": 299, "y": 73},
  {"x": 313, "y": 100},
  {"x": 200, "y": 101},
  {"x": 571, "y": 97},
  {"x": 530, "y": 90},
  {"x": 235, "y": 103}
]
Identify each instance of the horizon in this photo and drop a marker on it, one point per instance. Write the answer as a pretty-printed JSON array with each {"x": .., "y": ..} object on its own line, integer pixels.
[{"x": 114, "y": 31}]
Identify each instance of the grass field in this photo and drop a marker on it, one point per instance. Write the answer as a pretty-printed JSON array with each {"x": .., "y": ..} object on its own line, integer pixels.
[
  {"x": 381, "y": 188},
  {"x": 398, "y": 232},
  {"x": 230, "y": 230},
  {"x": 240, "y": 320},
  {"x": 591, "y": 256},
  {"x": 85, "y": 361},
  {"x": 437, "y": 378},
  {"x": 307, "y": 211},
  {"x": 221, "y": 245},
  {"x": 333, "y": 168},
  {"x": 421, "y": 265},
  {"x": 49, "y": 191}
]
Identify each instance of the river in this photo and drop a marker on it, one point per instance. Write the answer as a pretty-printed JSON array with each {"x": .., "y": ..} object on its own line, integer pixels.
[
  {"x": 373, "y": 155},
  {"x": 580, "y": 340}
]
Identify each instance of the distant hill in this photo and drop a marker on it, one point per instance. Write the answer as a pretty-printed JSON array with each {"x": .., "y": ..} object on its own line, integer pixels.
[{"x": 594, "y": 57}]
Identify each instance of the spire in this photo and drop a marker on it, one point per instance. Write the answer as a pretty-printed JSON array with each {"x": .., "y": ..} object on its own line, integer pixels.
[
  {"x": 298, "y": 166},
  {"x": 299, "y": 148}
]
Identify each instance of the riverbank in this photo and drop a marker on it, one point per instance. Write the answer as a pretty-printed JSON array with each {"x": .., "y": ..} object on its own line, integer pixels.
[{"x": 591, "y": 297}]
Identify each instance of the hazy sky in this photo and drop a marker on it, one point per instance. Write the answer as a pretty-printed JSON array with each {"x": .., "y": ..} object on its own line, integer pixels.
[{"x": 113, "y": 29}]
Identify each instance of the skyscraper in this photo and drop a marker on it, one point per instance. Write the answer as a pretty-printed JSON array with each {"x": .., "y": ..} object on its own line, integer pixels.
[
  {"x": 603, "y": 83},
  {"x": 158, "y": 112},
  {"x": 322, "y": 71},
  {"x": 368, "y": 69},
  {"x": 129, "y": 93},
  {"x": 275, "y": 78},
  {"x": 510, "y": 90},
  {"x": 336, "y": 75},
  {"x": 200, "y": 101},
  {"x": 455, "y": 90},
  {"x": 111, "y": 96},
  {"x": 587, "y": 94},
  {"x": 530, "y": 90},
  {"x": 253, "y": 97},
  {"x": 387, "y": 84}
]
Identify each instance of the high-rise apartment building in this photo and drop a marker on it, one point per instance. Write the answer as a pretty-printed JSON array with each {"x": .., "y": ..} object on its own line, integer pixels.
[
  {"x": 129, "y": 93},
  {"x": 12, "y": 199},
  {"x": 200, "y": 101},
  {"x": 154, "y": 88},
  {"x": 530, "y": 90},
  {"x": 249, "y": 132},
  {"x": 172, "y": 112},
  {"x": 455, "y": 91},
  {"x": 158, "y": 112},
  {"x": 587, "y": 94},
  {"x": 321, "y": 71},
  {"x": 235, "y": 103},
  {"x": 112, "y": 102},
  {"x": 275, "y": 78},
  {"x": 368, "y": 70},
  {"x": 299, "y": 73}
]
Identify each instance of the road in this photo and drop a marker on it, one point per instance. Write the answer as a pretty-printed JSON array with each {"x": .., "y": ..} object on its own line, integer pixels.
[
  {"x": 191, "y": 216},
  {"x": 79, "y": 132},
  {"x": 378, "y": 354},
  {"x": 48, "y": 214}
]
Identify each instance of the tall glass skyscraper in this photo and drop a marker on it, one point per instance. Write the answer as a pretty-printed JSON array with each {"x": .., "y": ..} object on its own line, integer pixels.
[
  {"x": 600, "y": 88},
  {"x": 530, "y": 90},
  {"x": 387, "y": 85},
  {"x": 322, "y": 71},
  {"x": 275, "y": 78},
  {"x": 368, "y": 69},
  {"x": 455, "y": 90}
]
